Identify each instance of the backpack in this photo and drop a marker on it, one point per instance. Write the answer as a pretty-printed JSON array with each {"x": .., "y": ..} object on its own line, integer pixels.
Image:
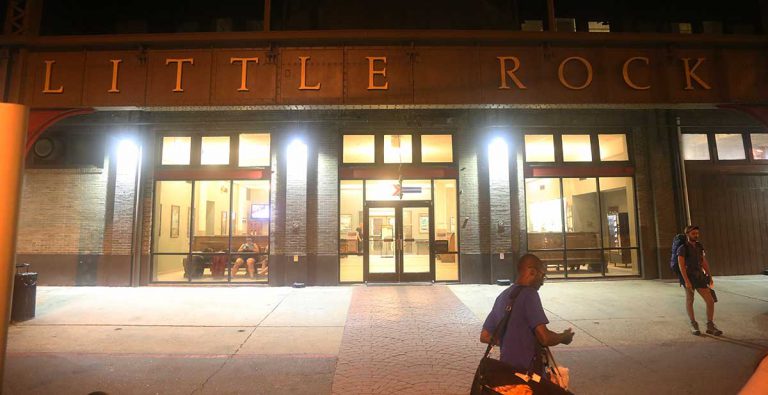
[{"x": 679, "y": 240}]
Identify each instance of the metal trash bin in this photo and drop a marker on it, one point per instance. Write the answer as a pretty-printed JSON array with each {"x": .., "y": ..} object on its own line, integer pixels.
[{"x": 24, "y": 294}]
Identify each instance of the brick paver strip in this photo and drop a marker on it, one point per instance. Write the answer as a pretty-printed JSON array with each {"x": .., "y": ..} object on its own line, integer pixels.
[{"x": 407, "y": 340}]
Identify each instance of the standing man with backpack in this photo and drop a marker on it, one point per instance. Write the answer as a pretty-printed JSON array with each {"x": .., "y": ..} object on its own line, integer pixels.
[{"x": 693, "y": 273}]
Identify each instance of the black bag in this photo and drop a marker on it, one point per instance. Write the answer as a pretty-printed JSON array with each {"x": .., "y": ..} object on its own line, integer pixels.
[{"x": 492, "y": 373}]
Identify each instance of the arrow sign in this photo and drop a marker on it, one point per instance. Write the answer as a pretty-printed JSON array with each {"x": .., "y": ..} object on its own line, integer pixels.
[{"x": 401, "y": 189}]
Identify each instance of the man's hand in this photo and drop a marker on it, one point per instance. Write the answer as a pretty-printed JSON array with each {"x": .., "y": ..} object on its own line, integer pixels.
[
  {"x": 567, "y": 336},
  {"x": 688, "y": 285}
]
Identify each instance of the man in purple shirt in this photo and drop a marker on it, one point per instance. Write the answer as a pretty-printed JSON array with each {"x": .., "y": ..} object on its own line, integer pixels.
[{"x": 528, "y": 324}]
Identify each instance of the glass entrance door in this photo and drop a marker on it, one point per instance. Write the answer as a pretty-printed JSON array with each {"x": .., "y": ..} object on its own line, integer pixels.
[{"x": 398, "y": 242}]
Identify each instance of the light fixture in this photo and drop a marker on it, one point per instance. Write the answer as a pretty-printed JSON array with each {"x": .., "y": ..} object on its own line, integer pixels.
[{"x": 498, "y": 159}]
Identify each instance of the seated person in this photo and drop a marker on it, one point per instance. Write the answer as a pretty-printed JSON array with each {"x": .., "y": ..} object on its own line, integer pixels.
[
  {"x": 263, "y": 268},
  {"x": 248, "y": 246}
]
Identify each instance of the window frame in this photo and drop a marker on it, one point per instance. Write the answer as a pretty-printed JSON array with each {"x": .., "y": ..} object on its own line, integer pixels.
[
  {"x": 190, "y": 229},
  {"x": 196, "y": 136},
  {"x": 416, "y": 157},
  {"x": 594, "y": 147},
  {"x": 420, "y": 145},
  {"x": 602, "y": 249},
  {"x": 714, "y": 158}
]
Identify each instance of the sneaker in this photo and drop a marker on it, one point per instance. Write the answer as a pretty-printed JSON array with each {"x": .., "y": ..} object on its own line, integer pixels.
[
  {"x": 712, "y": 329},
  {"x": 695, "y": 328}
]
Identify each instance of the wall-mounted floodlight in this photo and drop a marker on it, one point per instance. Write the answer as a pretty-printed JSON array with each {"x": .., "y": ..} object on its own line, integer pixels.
[
  {"x": 127, "y": 155},
  {"x": 297, "y": 160},
  {"x": 498, "y": 159}
]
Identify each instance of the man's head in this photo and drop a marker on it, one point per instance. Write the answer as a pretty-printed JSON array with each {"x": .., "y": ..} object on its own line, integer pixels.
[
  {"x": 531, "y": 271},
  {"x": 692, "y": 232}
]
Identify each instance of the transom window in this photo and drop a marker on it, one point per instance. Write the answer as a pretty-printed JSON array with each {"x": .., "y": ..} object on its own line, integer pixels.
[
  {"x": 724, "y": 146},
  {"x": 576, "y": 148},
  {"x": 249, "y": 149},
  {"x": 397, "y": 148}
]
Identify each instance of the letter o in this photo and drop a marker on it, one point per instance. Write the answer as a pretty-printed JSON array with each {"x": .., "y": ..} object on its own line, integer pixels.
[{"x": 561, "y": 73}]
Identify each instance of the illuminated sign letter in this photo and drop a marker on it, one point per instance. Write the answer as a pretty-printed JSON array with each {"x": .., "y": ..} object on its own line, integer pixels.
[
  {"x": 303, "y": 86},
  {"x": 47, "y": 86},
  {"x": 511, "y": 73},
  {"x": 115, "y": 67},
  {"x": 690, "y": 72},
  {"x": 244, "y": 71},
  {"x": 372, "y": 72},
  {"x": 561, "y": 74},
  {"x": 179, "y": 66},
  {"x": 625, "y": 73}
]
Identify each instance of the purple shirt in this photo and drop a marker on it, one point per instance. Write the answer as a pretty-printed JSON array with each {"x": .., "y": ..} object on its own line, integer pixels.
[{"x": 518, "y": 344}]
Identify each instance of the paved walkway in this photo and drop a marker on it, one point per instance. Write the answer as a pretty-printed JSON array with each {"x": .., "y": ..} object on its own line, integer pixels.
[
  {"x": 407, "y": 340},
  {"x": 631, "y": 338}
]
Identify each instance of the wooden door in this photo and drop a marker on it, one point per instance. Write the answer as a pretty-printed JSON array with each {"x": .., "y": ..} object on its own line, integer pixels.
[{"x": 732, "y": 211}]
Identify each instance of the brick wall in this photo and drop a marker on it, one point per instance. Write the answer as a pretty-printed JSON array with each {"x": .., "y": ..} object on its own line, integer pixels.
[
  {"x": 469, "y": 210},
  {"x": 327, "y": 198},
  {"x": 62, "y": 211}
]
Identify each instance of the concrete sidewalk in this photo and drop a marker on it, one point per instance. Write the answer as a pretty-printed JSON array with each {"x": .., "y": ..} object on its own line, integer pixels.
[{"x": 632, "y": 338}]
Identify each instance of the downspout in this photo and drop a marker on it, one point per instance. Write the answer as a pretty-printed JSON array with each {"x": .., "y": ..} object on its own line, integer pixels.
[{"x": 684, "y": 179}]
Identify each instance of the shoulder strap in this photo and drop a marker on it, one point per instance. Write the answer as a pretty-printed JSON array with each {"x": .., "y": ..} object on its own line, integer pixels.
[{"x": 502, "y": 326}]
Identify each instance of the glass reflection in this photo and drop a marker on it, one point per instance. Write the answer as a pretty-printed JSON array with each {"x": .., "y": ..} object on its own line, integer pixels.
[{"x": 381, "y": 241}]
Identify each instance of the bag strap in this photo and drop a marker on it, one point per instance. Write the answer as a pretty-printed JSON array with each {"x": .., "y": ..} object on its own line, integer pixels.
[{"x": 502, "y": 326}]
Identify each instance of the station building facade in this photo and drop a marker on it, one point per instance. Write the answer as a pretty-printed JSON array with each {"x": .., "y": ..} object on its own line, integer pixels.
[{"x": 321, "y": 162}]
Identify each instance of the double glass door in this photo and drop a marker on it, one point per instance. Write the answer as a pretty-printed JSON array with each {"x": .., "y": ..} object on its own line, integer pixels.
[{"x": 398, "y": 242}]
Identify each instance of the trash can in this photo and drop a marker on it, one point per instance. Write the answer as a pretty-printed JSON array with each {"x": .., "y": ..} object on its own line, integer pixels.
[{"x": 24, "y": 294}]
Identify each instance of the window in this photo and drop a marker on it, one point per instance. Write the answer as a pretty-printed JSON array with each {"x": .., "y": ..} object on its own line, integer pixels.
[
  {"x": 583, "y": 227},
  {"x": 682, "y": 28},
  {"x": 712, "y": 27},
  {"x": 176, "y": 150},
  {"x": 599, "y": 27},
  {"x": 759, "y": 145},
  {"x": 436, "y": 148},
  {"x": 214, "y": 150},
  {"x": 204, "y": 238},
  {"x": 695, "y": 147},
  {"x": 390, "y": 190},
  {"x": 730, "y": 146},
  {"x": 359, "y": 149},
  {"x": 613, "y": 147},
  {"x": 171, "y": 229},
  {"x": 566, "y": 24},
  {"x": 577, "y": 148},
  {"x": 539, "y": 148},
  {"x": 351, "y": 231},
  {"x": 397, "y": 148},
  {"x": 446, "y": 228},
  {"x": 254, "y": 149},
  {"x": 532, "y": 25}
]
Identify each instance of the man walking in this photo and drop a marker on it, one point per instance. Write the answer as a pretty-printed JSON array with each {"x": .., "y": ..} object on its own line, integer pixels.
[
  {"x": 694, "y": 275},
  {"x": 527, "y": 327}
]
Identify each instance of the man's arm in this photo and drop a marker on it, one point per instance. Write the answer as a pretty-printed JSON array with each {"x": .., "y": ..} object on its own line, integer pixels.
[
  {"x": 548, "y": 338},
  {"x": 485, "y": 337},
  {"x": 683, "y": 272}
]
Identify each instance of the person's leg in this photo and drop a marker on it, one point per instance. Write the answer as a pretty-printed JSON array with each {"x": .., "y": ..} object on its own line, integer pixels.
[
  {"x": 236, "y": 266},
  {"x": 689, "y": 310},
  {"x": 707, "y": 296},
  {"x": 251, "y": 271},
  {"x": 263, "y": 265}
]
